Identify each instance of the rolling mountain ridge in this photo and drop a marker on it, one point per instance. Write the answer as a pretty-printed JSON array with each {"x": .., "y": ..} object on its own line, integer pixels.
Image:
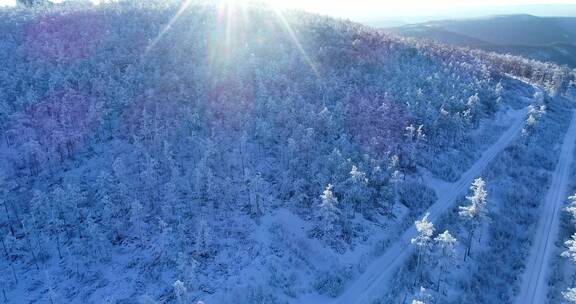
[{"x": 541, "y": 38}]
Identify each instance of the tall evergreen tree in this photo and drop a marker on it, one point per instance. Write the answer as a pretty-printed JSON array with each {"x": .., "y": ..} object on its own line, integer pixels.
[
  {"x": 445, "y": 244},
  {"x": 423, "y": 243},
  {"x": 329, "y": 215},
  {"x": 476, "y": 211}
]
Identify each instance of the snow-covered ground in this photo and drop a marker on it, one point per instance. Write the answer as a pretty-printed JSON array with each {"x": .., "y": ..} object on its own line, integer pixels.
[
  {"x": 371, "y": 283},
  {"x": 535, "y": 278}
]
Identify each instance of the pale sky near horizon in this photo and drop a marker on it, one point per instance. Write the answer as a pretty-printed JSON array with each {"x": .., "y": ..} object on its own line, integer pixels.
[{"x": 355, "y": 9}]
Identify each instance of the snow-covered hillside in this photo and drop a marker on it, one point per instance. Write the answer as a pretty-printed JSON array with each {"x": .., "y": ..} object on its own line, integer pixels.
[{"x": 164, "y": 152}]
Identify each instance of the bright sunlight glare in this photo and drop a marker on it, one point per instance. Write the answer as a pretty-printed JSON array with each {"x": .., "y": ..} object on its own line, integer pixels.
[
  {"x": 232, "y": 13},
  {"x": 387, "y": 8}
]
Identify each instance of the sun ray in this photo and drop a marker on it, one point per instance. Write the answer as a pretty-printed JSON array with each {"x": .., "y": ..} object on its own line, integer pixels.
[
  {"x": 230, "y": 23},
  {"x": 288, "y": 28},
  {"x": 225, "y": 33},
  {"x": 183, "y": 7},
  {"x": 233, "y": 16}
]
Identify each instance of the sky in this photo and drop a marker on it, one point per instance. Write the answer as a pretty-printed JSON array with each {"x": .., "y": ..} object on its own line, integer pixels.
[
  {"x": 362, "y": 10},
  {"x": 397, "y": 12},
  {"x": 358, "y": 8}
]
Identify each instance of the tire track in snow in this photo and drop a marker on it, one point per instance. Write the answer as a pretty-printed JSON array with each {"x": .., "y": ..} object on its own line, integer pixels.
[
  {"x": 534, "y": 286},
  {"x": 372, "y": 282}
]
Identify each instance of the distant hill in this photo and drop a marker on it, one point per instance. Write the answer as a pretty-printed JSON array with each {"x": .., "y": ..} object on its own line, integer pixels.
[
  {"x": 542, "y": 38},
  {"x": 562, "y": 53},
  {"x": 438, "y": 34}
]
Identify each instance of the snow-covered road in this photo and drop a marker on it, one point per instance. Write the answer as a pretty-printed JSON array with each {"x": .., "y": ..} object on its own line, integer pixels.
[
  {"x": 534, "y": 280},
  {"x": 372, "y": 283}
]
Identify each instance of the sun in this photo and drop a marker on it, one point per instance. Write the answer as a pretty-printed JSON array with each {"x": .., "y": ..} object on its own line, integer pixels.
[{"x": 232, "y": 15}]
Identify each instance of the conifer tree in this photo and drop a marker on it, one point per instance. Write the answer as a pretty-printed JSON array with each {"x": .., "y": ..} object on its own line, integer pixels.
[
  {"x": 571, "y": 251},
  {"x": 181, "y": 292},
  {"x": 329, "y": 215},
  {"x": 256, "y": 187},
  {"x": 423, "y": 242},
  {"x": 475, "y": 212},
  {"x": 357, "y": 192},
  {"x": 570, "y": 295},
  {"x": 203, "y": 240},
  {"x": 137, "y": 219},
  {"x": 571, "y": 209},
  {"x": 445, "y": 244}
]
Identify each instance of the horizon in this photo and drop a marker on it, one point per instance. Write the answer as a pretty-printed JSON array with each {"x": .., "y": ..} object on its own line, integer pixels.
[
  {"x": 411, "y": 11},
  {"x": 538, "y": 10},
  {"x": 363, "y": 10}
]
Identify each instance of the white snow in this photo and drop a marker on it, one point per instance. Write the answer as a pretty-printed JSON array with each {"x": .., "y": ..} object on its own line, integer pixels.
[
  {"x": 534, "y": 281},
  {"x": 371, "y": 283}
]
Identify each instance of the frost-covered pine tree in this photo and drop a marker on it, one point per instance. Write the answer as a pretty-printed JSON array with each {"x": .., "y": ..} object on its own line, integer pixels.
[
  {"x": 137, "y": 219},
  {"x": 7, "y": 219},
  {"x": 180, "y": 292},
  {"x": 445, "y": 244},
  {"x": 329, "y": 215},
  {"x": 422, "y": 242},
  {"x": 571, "y": 209},
  {"x": 256, "y": 188},
  {"x": 170, "y": 201},
  {"x": 538, "y": 97},
  {"x": 499, "y": 89},
  {"x": 396, "y": 179},
  {"x": 149, "y": 183},
  {"x": 203, "y": 240},
  {"x": 2, "y": 240},
  {"x": 570, "y": 295},
  {"x": 357, "y": 193},
  {"x": 476, "y": 211},
  {"x": 534, "y": 113},
  {"x": 422, "y": 296},
  {"x": 415, "y": 137},
  {"x": 473, "y": 107},
  {"x": 147, "y": 299},
  {"x": 186, "y": 266},
  {"x": 29, "y": 237},
  {"x": 60, "y": 201},
  {"x": 120, "y": 192},
  {"x": 75, "y": 199},
  {"x": 40, "y": 208},
  {"x": 50, "y": 292},
  {"x": 529, "y": 125},
  {"x": 531, "y": 121},
  {"x": 163, "y": 240},
  {"x": 571, "y": 251},
  {"x": 204, "y": 182},
  {"x": 95, "y": 240},
  {"x": 110, "y": 212},
  {"x": 56, "y": 227},
  {"x": 12, "y": 246}
]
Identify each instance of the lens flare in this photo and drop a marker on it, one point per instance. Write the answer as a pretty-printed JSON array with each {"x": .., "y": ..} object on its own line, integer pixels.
[
  {"x": 296, "y": 41},
  {"x": 185, "y": 4},
  {"x": 232, "y": 24}
]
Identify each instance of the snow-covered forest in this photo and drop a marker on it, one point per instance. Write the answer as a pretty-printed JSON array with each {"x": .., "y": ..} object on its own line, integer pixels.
[{"x": 162, "y": 152}]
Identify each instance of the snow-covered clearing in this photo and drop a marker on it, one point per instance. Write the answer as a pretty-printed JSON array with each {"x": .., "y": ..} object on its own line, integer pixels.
[
  {"x": 534, "y": 280},
  {"x": 369, "y": 285}
]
